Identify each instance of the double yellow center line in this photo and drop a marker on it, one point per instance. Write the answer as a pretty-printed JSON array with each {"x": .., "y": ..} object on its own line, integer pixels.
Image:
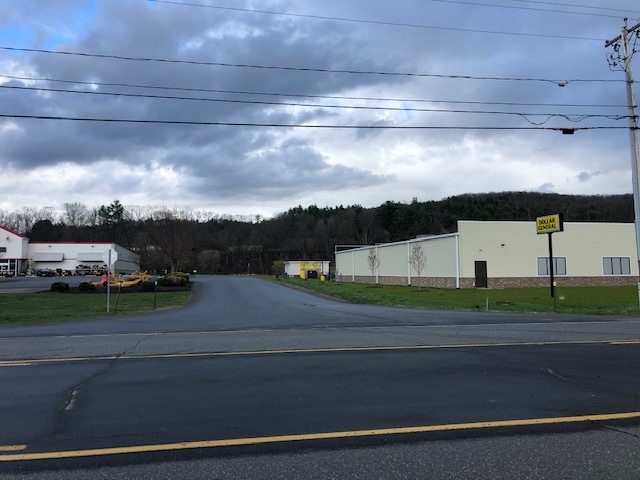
[{"x": 235, "y": 442}]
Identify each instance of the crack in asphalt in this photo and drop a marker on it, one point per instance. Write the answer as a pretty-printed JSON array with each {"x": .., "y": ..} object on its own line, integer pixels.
[
  {"x": 71, "y": 398},
  {"x": 554, "y": 374},
  {"x": 73, "y": 393},
  {"x": 619, "y": 430}
]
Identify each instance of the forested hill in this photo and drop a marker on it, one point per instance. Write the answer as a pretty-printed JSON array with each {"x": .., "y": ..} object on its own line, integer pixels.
[
  {"x": 220, "y": 244},
  {"x": 441, "y": 216}
]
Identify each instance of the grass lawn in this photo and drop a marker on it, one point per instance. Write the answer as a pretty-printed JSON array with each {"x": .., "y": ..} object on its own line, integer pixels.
[
  {"x": 48, "y": 307},
  {"x": 582, "y": 300}
]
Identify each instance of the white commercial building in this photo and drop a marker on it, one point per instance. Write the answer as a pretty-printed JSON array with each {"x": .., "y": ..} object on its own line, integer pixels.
[
  {"x": 500, "y": 254},
  {"x": 19, "y": 255}
]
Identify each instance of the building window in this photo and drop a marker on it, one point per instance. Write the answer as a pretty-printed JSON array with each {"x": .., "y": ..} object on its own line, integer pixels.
[
  {"x": 616, "y": 265},
  {"x": 3, "y": 249},
  {"x": 559, "y": 266}
]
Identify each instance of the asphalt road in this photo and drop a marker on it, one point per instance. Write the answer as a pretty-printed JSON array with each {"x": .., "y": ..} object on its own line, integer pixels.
[
  {"x": 256, "y": 380},
  {"x": 15, "y": 284}
]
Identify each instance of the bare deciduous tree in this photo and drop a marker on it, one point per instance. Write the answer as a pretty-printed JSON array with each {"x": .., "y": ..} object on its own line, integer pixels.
[
  {"x": 173, "y": 233},
  {"x": 92, "y": 218},
  {"x": 277, "y": 268},
  {"x": 23, "y": 220},
  {"x": 366, "y": 226},
  {"x": 374, "y": 262},
  {"x": 8, "y": 220},
  {"x": 209, "y": 261},
  {"x": 418, "y": 261},
  {"x": 139, "y": 213},
  {"x": 75, "y": 214}
]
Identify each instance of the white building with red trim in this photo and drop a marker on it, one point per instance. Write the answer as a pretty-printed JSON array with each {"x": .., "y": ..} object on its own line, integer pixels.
[{"x": 18, "y": 255}]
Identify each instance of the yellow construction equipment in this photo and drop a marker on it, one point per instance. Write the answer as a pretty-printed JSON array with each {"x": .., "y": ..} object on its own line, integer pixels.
[{"x": 134, "y": 278}]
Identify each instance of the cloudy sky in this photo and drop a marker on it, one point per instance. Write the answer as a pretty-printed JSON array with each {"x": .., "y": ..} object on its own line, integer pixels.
[{"x": 252, "y": 107}]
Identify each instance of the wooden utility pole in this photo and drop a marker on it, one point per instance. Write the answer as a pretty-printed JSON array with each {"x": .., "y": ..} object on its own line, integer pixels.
[{"x": 623, "y": 61}]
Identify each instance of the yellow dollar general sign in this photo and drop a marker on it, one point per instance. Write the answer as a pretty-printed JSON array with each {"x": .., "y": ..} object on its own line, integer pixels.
[{"x": 549, "y": 224}]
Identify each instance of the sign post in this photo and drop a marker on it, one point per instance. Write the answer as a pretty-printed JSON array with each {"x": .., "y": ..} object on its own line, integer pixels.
[
  {"x": 109, "y": 257},
  {"x": 548, "y": 225}
]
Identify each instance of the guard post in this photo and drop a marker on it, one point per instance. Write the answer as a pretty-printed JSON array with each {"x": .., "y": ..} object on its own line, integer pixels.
[{"x": 548, "y": 225}]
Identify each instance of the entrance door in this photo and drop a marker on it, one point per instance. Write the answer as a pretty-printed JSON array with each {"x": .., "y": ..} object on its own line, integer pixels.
[{"x": 481, "y": 274}]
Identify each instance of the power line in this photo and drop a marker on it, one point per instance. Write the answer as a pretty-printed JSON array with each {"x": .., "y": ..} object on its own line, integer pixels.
[
  {"x": 306, "y": 69},
  {"x": 574, "y": 117},
  {"x": 549, "y": 10},
  {"x": 608, "y": 9},
  {"x": 298, "y": 125},
  {"x": 377, "y": 22},
  {"x": 298, "y": 95}
]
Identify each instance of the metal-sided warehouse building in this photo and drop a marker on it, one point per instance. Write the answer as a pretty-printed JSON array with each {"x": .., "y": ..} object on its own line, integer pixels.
[
  {"x": 500, "y": 254},
  {"x": 18, "y": 255}
]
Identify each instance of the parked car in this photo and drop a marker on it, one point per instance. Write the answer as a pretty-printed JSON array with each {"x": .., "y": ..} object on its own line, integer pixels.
[
  {"x": 45, "y": 272},
  {"x": 95, "y": 269},
  {"x": 84, "y": 270}
]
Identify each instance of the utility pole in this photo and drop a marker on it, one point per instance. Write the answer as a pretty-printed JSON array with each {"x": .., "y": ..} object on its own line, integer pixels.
[{"x": 624, "y": 61}]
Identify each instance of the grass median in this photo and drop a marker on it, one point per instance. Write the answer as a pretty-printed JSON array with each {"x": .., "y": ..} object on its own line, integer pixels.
[
  {"x": 53, "y": 307},
  {"x": 576, "y": 300}
]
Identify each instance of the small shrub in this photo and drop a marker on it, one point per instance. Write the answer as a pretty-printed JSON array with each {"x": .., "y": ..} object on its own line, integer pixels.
[
  {"x": 183, "y": 275},
  {"x": 277, "y": 268},
  {"x": 164, "y": 282},
  {"x": 86, "y": 287},
  {"x": 147, "y": 287},
  {"x": 59, "y": 287},
  {"x": 172, "y": 281}
]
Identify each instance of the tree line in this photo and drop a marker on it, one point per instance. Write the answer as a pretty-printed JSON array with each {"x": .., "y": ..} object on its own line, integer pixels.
[{"x": 188, "y": 240}]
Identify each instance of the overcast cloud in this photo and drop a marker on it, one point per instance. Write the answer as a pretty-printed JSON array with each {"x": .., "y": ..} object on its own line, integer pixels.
[{"x": 249, "y": 170}]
